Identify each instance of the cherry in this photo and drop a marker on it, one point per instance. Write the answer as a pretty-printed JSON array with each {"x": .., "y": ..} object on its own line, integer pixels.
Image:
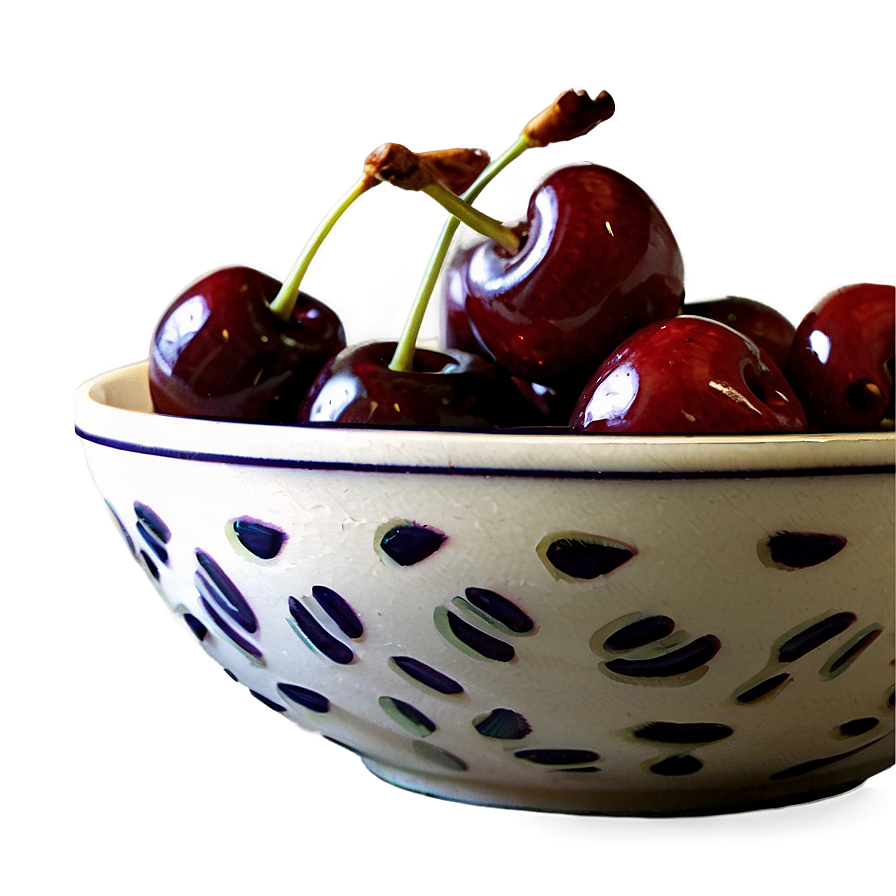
[
  {"x": 572, "y": 114},
  {"x": 400, "y": 384},
  {"x": 841, "y": 362},
  {"x": 219, "y": 352},
  {"x": 554, "y": 405},
  {"x": 239, "y": 345},
  {"x": 766, "y": 326},
  {"x": 688, "y": 375},
  {"x": 597, "y": 261},
  {"x": 444, "y": 389}
]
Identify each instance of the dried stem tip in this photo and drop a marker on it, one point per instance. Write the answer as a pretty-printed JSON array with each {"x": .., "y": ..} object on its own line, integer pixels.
[
  {"x": 571, "y": 115},
  {"x": 399, "y": 166},
  {"x": 457, "y": 168}
]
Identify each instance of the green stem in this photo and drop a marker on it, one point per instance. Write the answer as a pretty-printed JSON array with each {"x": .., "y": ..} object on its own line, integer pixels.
[
  {"x": 403, "y": 358},
  {"x": 472, "y": 217},
  {"x": 284, "y": 302}
]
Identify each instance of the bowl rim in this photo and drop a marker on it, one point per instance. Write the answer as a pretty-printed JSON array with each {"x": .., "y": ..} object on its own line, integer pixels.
[{"x": 113, "y": 409}]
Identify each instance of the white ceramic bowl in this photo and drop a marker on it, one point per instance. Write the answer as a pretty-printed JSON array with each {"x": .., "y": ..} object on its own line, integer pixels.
[{"x": 662, "y": 625}]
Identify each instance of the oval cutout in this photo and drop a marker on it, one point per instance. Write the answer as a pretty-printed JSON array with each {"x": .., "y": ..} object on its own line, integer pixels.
[
  {"x": 469, "y": 639},
  {"x": 313, "y": 633},
  {"x": 262, "y": 540},
  {"x": 582, "y": 557},
  {"x": 409, "y": 543},
  {"x": 799, "y": 550}
]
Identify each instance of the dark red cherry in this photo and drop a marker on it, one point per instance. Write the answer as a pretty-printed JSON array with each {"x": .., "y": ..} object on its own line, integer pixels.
[
  {"x": 688, "y": 375},
  {"x": 766, "y": 326},
  {"x": 446, "y": 389},
  {"x": 597, "y": 263},
  {"x": 219, "y": 352},
  {"x": 455, "y": 328},
  {"x": 554, "y": 405},
  {"x": 841, "y": 363}
]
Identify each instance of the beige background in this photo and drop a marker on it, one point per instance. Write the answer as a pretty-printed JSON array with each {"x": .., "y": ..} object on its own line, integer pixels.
[{"x": 146, "y": 144}]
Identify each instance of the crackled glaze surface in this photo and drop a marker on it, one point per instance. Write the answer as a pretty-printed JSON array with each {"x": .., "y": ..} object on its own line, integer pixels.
[{"x": 651, "y": 626}]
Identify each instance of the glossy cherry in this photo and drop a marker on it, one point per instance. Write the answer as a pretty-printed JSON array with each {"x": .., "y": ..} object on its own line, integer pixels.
[
  {"x": 554, "y": 404},
  {"x": 444, "y": 389},
  {"x": 688, "y": 375},
  {"x": 597, "y": 262},
  {"x": 218, "y": 352},
  {"x": 841, "y": 362},
  {"x": 239, "y": 345},
  {"x": 400, "y": 384},
  {"x": 766, "y": 326}
]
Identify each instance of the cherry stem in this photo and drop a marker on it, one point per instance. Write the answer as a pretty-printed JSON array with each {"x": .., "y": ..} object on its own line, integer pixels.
[
  {"x": 403, "y": 358},
  {"x": 571, "y": 115},
  {"x": 473, "y": 218},
  {"x": 284, "y": 303}
]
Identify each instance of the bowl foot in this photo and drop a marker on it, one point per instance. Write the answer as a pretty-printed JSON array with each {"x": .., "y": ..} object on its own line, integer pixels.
[{"x": 619, "y": 802}]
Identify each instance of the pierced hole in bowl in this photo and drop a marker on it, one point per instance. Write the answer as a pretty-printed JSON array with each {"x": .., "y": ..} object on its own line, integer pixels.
[
  {"x": 762, "y": 689},
  {"x": 311, "y": 700},
  {"x": 152, "y": 542},
  {"x": 857, "y": 727},
  {"x": 152, "y": 521},
  {"x": 469, "y": 639},
  {"x": 683, "y": 732},
  {"x": 252, "y": 651},
  {"x": 196, "y": 626},
  {"x": 812, "y": 637},
  {"x": 261, "y": 540},
  {"x": 215, "y": 584},
  {"x": 673, "y": 665},
  {"x": 502, "y": 724},
  {"x": 639, "y": 633},
  {"x": 580, "y": 556},
  {"x": 542, "y": 756},
  {"x": 850, "y": 652},
  {"x": 150, "y": 565},
  {"x": 408, "y": 543},
  {"x": 316, "y": 636},
  {"x": 270, "y": 704},
  {"x": 339, "y": 610},
  {"x": 420, "y": 673},
  {"x": 409, "y": 717},
  {"x": 496, "y": 610},
  {"x": 799, "y": 550}
]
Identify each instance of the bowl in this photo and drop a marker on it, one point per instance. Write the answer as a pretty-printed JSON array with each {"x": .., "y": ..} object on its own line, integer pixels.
[{"x": 584, "y": 624}]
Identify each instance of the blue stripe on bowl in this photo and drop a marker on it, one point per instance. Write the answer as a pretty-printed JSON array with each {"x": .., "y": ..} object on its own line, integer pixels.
[{"x": 623, "y": 475}]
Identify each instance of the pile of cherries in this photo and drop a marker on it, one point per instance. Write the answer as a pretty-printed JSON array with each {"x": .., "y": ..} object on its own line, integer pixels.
[{"x": 571, "y": 319}]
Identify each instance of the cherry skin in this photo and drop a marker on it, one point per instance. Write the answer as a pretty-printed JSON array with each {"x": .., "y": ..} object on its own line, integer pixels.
[
  {"x": 444, "y": 389},
  {"x": 841, "y": 362},
  {"x": 688, "y": 375},
  {"x": 598, "y": 262},
  {"x": 455, "y": 328},
  {"x": 766, "y": 326},
  {"x": 219, "y": 352},
  {"x": 554, "y": 405}
]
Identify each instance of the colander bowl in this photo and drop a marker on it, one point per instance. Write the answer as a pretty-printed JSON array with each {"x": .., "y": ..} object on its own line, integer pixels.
[{"x": 607, "y": 624}]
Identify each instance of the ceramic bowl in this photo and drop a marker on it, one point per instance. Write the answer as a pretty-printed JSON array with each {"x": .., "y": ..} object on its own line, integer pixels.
[{"x": 644, "y": 626}]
